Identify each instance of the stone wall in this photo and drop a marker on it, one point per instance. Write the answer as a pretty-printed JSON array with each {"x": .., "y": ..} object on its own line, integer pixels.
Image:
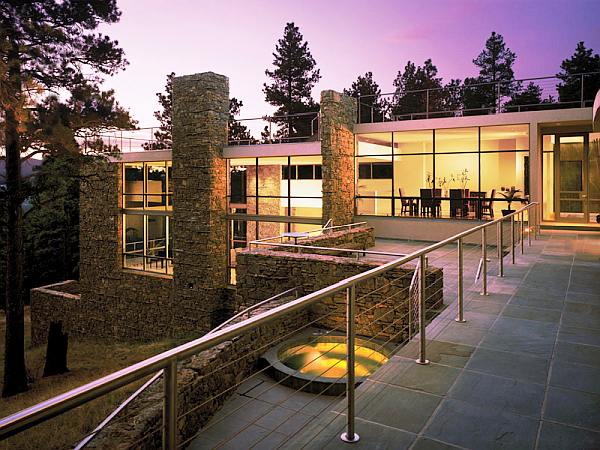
[
  {"x": 114, "y": 302},
  {"x": 204, "y": 382},
  {"x": 338, "y": 115},
  {"x": 360, "y": 238},
  {"x": 382, "y": 303},
  {"x": 200, "y": 115}
]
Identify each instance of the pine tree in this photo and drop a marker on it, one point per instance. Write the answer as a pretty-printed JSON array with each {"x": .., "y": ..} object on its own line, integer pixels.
[
  {"x": 495, "y": 63},
  {"x": 417, "y": 78},
  {"x": 293, "y": 79},
  {"x": 49, "y": 44},
  {"x": 372, "y": 108},
  {"x": 582, "y": 61}
]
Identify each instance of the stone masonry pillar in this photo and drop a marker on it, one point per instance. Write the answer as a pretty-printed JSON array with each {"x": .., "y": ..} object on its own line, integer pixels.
[
  {"x": 200, "y": 114},
  {"x": 338, "y": 115}
]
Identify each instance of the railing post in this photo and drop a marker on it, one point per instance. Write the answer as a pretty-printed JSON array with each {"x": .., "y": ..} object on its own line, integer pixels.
[
  {"x": 512, "y": 237},
  {"x": 270, "y": 135},
  {"x": 359, "y": 116},
  {"x": 169, "y": 441},
  {"x": 498, "y": 112},
  {"x": 538, "y": 220},
  {"x": 460, "y": 317},
  {"x": 427, "y": 110},
  {"x": 350, "y": 435},
  {"x": 484, "y": 257},
  {"x": 422, "y": 359},
  {"x": 529, "y": 226},
  {"x": 582, "y": 99},
  {"x": 500, "y": 249},
  {"x": 522, "y": 232}
]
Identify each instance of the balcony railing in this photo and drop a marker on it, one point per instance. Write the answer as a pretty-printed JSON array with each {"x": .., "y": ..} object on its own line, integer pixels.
[{"x": 478, "y": 99}]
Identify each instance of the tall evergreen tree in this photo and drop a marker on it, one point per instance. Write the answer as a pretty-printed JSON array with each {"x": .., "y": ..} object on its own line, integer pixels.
[
  {"x": 495, "y": 63},
  {"x": 582, "y": 61},
  {"x": 293, "y": 79},
  {"x": 163, "y": 136},
  {"x": 417, "y": 78},
  {"x": 50, "y": 43},
  {"x": 372, "y": 108}
]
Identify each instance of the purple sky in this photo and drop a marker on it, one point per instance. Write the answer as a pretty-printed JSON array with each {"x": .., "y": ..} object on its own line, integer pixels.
[{"x": 347, "y": 38}]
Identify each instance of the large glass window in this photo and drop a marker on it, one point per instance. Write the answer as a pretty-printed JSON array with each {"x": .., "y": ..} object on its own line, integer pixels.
[
  {"x": 276, "y": 186},
  {"x": 478, "y": 161},
  {"x": 147, "y": 203}
]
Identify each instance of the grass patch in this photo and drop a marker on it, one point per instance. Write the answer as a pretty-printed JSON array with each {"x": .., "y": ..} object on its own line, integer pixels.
[{"x": 87, "y": 359}]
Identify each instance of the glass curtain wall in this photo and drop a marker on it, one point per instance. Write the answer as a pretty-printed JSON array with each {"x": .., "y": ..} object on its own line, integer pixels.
[
  {"x": 395, "y": 171},
  {"x": 147, "y": 207}
]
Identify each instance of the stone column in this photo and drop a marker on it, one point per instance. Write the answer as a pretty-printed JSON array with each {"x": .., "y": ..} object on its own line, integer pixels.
[
  {"x": 338, "y": 115},
  {"x": 200, "y": 114}
]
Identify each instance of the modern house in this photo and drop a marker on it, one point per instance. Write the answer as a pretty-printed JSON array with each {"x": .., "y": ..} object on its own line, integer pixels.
[{"x": 160, "y": 229}]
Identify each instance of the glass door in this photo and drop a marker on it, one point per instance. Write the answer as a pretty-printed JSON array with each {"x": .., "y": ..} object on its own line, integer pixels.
[
  {"x": 594, "y": 178},
  {"x": 571, "y": 174}
]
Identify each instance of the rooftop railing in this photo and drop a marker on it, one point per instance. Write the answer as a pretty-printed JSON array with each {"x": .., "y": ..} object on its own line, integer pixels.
[
  {"x": 480, "y": 98},
  {"x": 403, "y": 297}
]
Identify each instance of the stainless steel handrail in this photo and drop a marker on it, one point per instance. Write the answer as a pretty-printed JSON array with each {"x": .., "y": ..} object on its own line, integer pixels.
[
  {"x": 316, "y": 230},
  {"x": 167, "y": 360}
]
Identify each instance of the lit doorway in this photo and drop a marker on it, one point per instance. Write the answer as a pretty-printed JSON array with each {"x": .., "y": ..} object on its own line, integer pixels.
[{"x": 577, "y": 175}]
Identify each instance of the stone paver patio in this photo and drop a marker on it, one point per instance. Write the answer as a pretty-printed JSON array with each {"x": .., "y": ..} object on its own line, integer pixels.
[{"x": 522, "y": 372}]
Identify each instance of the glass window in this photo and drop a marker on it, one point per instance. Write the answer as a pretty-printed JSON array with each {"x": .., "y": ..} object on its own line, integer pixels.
[
  {"x": 306, "y": 172},
  {"x": 133, "y": 188},
  {"x": 249, "y": 166},
  {"x": 413, "y": 142},
  {"x": 146, "y": 237},
  {"x": 505, "y": 138},
  {"x": 238, "y": 184},
  {"x": 457, "y": 140},
  {"x": 374, "y": 144}
]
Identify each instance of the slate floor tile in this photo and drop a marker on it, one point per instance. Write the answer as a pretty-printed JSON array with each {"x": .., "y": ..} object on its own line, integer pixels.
[
  {"x": 592, "y": 299},
  {"x": 579, "y": 335},
  {"x": 532, "y": 302},
  {"x": 411, "y": 409},
  {"x": 511, "y": 365},
  {"x": 576, "y": 377},
  {"x": 447, "y": 353},
  {"x": 432, "y": 378},
  {"x": 522, "y": 336},
  {"x": 577, "y": 353},
  {"x": 501, "y": 393},
  {"x": 582, "y": 315},
  {"x": 482, "y": 307},
  {"x": 477, "y": 427},
  {"x": 461, "y": 335},
  {"x": 555, "y": 436},
  {"x": 575, "y": 408},
  {"x": 529, "y": 313}
]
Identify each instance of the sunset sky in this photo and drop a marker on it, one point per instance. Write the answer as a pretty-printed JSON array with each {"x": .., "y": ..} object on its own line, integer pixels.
[{"x": 346, "y": 38}]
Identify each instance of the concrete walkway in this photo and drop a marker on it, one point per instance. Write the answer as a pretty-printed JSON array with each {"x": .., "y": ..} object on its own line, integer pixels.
[{"x": 522, "y": 372}]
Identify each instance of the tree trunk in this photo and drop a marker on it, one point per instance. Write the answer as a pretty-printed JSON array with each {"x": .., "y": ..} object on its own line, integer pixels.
[{"x": 15, "y": 376}]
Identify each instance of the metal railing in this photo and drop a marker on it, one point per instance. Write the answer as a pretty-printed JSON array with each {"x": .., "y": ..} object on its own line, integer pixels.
[
  {"x": 168, "y": 360},
  {"x": 281, "y": 134},
  {"x": 448, "y": 101},
  {"x": 328, "y": 228}
]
